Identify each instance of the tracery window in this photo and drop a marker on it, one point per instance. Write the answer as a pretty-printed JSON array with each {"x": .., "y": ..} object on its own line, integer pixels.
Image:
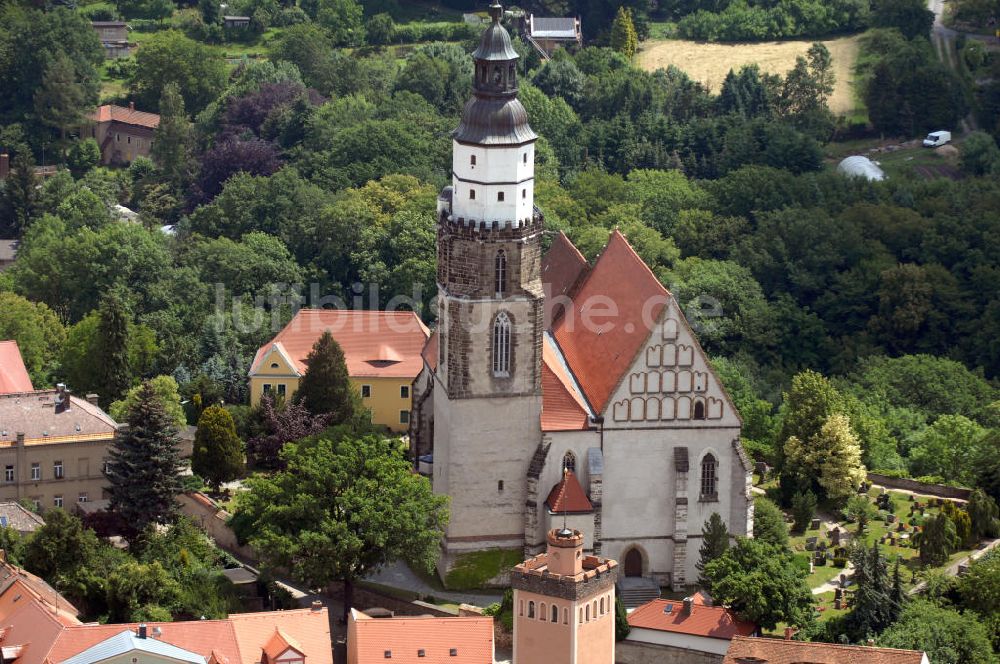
[
  {"x": 500, "y": 272},
  {"x": 501, "y": 345},
  {"x": 708, "y": 468}
]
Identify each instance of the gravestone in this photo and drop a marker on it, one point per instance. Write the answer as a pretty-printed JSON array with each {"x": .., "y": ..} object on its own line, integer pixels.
[
  {"x": 834, "y": 536},
  {"x": 811, "y": 543},
  {"x": 814, "y": 525}
]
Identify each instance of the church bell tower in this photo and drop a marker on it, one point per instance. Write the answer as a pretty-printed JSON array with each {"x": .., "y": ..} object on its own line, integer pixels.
[{"x": 490, "y": 308}]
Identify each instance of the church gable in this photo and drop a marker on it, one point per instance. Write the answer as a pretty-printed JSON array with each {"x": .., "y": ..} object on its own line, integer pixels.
[{"x": 670, "y": 382}]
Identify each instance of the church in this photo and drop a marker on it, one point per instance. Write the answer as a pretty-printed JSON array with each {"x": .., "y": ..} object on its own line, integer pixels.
[{"x": 557, "y": 393}]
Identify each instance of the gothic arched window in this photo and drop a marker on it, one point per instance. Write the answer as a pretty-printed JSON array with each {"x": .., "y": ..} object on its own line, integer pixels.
[
  {"x": 708, "y": 466},
  {"x": 501, "y": 345},
  {"x": 500, "y": 272},
  {"x": 555, "y": 613},
  {"x": 699, "y": 410},
  {"x": 569, "y": 461}
]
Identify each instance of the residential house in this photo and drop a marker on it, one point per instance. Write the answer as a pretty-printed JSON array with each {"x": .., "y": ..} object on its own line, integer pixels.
[
  {"x": 122, "y": 133},
  {"x": 52, "y": 447},
  {"x": 549, "y": 33},
  {"x": 382, "y": 350},
  {"x": 419, "y": 640},
  {"x": 690, "y": 631},
  {"x": 13, "y": 374},
  {"x": 114, "y": 38},
  {"x": 8, "y": 248},
  {"x": 237, "y": 22},
  {"x": 744, "y": 650},
  {"x": 40, "y": 627},
  {"x": 16, "y": 516}
]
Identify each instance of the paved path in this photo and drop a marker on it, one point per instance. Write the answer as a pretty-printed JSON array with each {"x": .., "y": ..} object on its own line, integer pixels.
[
  {"x": 399, "y": 575},
  {"x": 832, "y": 585},
  {"x": 953, "y": 568}
]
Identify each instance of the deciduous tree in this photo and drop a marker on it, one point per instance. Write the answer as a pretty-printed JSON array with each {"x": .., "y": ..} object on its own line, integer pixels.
[
  {"x": 937, "y": 540},
  {"x": 281, "y": 423},
  {"x": 943, "y": 634},
  {"x": 769, "y": 523}
]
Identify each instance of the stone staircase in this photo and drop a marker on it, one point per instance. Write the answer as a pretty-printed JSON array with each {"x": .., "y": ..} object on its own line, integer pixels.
[{"x": 636, "y": 591}]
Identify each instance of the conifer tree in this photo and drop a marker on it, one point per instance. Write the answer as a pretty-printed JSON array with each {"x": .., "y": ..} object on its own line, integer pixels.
[
  {"x": 114, "y": 377},
  {"x": 714, "y": 543},
  {"x": 325, "y": 388},
  {"x": 624, "y": 38},
  {"x": 143, "y": 465},
  {"x": 60, "y": 101},
  {"x": 873, "y": 609},
  {"x": 936, "y": 540},
  {"x": 984, "y": 514},
  {"x": 622, "y": 628},
  {"x": 218, "y": 451},
  {"x": 897, "y": 597},
  {"x": 172, "y": 138},
  {"x": 20, "y": 191}
]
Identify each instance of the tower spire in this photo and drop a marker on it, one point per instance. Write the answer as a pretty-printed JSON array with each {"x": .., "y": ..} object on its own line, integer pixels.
[{"x": 496, "y": 12}]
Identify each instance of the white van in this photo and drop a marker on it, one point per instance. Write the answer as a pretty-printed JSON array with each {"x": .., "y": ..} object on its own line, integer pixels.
[{"x": 937, "y": 138}]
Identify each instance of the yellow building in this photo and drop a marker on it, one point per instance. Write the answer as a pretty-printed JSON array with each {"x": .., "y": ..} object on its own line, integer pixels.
[{"x": 381, "y": 349}]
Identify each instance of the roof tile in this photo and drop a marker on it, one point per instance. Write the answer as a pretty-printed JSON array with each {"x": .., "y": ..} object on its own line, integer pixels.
[
  {"x": 471, "y": 637},
  {"x": 113, "y": 113},
  {"x": 13, "y": 374},
  {"x": 743, "y": 650},
  {"x": 709, "y": 621},
  {"x": 568, "y": 496}
]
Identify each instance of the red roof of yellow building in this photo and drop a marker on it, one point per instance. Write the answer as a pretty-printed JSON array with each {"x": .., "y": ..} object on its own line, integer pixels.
[
  {"x": 375, "y": 343},
  {"x": 13, "y": 374}
]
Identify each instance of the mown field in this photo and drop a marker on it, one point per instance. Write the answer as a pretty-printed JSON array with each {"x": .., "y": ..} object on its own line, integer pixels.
[{"x": 710, "y": 62}]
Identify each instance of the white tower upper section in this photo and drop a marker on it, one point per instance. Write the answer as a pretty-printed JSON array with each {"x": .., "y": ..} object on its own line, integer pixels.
[{"x": 493, "y": 156}]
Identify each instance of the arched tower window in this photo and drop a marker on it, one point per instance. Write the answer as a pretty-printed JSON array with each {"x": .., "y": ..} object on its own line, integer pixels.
[
  {"x": 699, "y": 410},
  {"x": 531, "y": 609},
  {"x": 500, "y": 272},
  {"x": 569, "y": 461},
  {"x": 501, "y": 345},
  {"x": 708, "y": 467},
  {"x": 555, "y": 613}
]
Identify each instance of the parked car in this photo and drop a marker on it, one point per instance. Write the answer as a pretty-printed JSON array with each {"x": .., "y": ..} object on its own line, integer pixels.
[{"x": 937, "y": 139}]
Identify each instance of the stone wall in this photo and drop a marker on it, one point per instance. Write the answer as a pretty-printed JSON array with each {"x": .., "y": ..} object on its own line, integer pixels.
[
  {"x": 366, "y": 598},
  {"x": 633, "y": 652},
  {"x": 940, "y": 490},
  {"x": 206, "y": 513}
]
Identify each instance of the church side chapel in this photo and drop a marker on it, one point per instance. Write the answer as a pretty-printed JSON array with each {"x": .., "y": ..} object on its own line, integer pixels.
[{"x": 559, "y": 393}]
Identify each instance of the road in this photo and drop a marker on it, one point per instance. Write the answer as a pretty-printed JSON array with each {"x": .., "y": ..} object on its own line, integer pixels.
[{"x": 953, "y": 568}]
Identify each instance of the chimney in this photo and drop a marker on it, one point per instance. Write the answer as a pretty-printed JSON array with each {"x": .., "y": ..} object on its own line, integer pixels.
[
  {"x": 20, "y": 439},
  {"x": 142, "y": 631},
  {"x": 316, "y": 605},
  {"x": 4, "y": 165},
  {"x": 789, "y": 632},
  {"x": 131, "y": 106},
  {"x": 688, "y": 605},
  {"x": 62, "y": 400},
  {"x": 92, "y": 399},
  {"x": 871, "y": 643}
]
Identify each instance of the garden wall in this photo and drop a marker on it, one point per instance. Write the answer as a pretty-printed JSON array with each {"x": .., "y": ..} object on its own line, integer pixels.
[
  {"x": 366, "y": 598},
  {"x": 940, "y": 490},
  {"x": 206, "y": 513},
  {"x": 634, "y": 652}
]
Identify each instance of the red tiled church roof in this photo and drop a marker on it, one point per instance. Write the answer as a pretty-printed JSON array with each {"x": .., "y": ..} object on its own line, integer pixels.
[
  {"x": 375, "y": 343},
  {"x": 562, "y": 408},
  {"x": 13, "y": 374},
  {"x": 568, "y": 496},
  {"x": 113, "y": 113},
  {"x": 744, "y": 650},
  {"x": 623, "y": 300},
  {"x": 714, "y": 622},
  {"x": 430, "y": 351},
  {"x": 562, "y": 267}
]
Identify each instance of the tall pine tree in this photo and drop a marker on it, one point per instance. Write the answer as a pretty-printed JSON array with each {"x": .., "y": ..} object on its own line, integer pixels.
[
  {"x": 143, "y": 465},
  {"x": 218, "y": 451},
  {"x": 325, "y": 388},
  {"x": 114, "y": 376},
  {"x": 714, "y": 543},
  {"x": 171, "y": 147},
  {"x": 873, "y": 605},
  {"x": 624, "y": 38},
  {"x": 60, "y": 102}
]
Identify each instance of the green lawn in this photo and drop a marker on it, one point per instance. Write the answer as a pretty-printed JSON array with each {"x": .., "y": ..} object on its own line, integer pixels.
[{"x": 472, "y": 570}]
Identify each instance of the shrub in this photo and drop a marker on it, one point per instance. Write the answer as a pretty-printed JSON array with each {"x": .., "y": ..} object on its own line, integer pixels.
[
  {"x": 839, "y": 561},
  {"x": 803, "y": 510}
]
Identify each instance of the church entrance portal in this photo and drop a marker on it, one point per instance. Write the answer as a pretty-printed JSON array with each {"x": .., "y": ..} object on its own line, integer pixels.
[{"x": 633, "y": 563}]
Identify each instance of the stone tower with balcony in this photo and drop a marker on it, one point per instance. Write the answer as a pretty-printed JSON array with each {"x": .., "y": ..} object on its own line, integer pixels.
[
  {"x": 490, "y": 310},
  {"x": 564, "y": 604}
]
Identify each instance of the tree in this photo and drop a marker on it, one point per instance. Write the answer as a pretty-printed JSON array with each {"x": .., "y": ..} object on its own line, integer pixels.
[
  {"x": 984, "y": 514},
  {"x": 218, "y": 451},
  {"x": 979, "y": 154},
  {"x": 37, "y": 331},
  {"x": 20, "y": 193},
  {"x": 60, "y": 547},
  {"x": 380, "y": 28},
  {"x": 803, "y": 510},
  {"x": 769, "y": 523},
  {"x": 624, "y": 39},
  {"x": 143, "y": 465},
  {"x": 937, "y": 540},
  {"x": 832, "y": 457},
  {"x": 210, "y": 11},
  {"x": 859, "y": 510},
  {"x": 342, "y": 20},
  {"x": 80, "y": 354},
  {"x": 910, "y": 17},
  {"x": 714, "y": 543},
  {"x": 171, "y": 144},
  {"x": 166, "y": 391},
  {"x": 979, "y": 588},
  {"x": 760, "y": 581},
  {"x": 945, "y": 635},
  {"x": 341, "y": 510},
  {"x": 83, "y": 157},
  {"x": 281, "y": 423},
  {"x": 170, "y": 57},
  {"x": 138, "y": 593},
  {"x": 253, "y": 156},
  {"x": 873, "y": 609},
  {"x": 325, "y": 388},
  {"x": 807, "y": 405},
  {"x": 113, "y": 374},
  {"x": 61, "y": 101},
  {"x": 622, "y": 628},
  {"x": 949, "y": 448}
]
